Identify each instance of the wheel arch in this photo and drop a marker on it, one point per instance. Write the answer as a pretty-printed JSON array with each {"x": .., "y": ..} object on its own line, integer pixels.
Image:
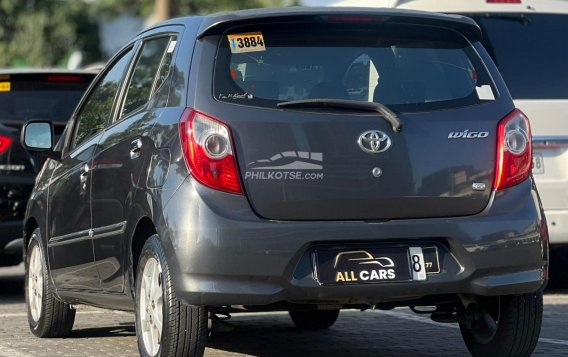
[
  {"x": 145, "y": 228},
  {"x": 30, "y": 226}
]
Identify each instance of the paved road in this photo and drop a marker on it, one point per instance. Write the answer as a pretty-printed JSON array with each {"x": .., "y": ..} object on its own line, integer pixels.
[{"x": 372, "y": 333}]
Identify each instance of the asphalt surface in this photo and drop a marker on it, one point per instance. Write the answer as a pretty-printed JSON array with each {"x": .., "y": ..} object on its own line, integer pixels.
[{"x": 371, "y": 333}]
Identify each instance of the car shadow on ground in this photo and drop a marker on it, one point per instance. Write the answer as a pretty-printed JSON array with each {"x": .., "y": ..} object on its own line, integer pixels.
[
  {"x": 277, "y": 337},
  {"x": 124, "y": 329},
  {"x": 262, "y": 336}
]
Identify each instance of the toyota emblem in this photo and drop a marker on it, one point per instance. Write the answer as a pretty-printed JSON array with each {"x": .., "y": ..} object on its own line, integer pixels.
[{"x": 374, "y": 141}]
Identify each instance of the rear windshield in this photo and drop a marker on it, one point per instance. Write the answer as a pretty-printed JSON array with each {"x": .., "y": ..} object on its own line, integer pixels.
[
  {"x": 408, "y": 68},
  {"x": 531, "y": 52},
  {"x": 22, "y": 99}
]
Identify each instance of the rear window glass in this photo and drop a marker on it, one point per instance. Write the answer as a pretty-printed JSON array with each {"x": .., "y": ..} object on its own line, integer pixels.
[
  {"x": 408, "y": 68},
  {"x": 531, "y": 52},
  {"x": 33, "y": 99}
]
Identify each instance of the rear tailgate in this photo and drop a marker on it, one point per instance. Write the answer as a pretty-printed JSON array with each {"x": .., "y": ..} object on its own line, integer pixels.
[
  {"x": 319, "y": 163},
  {"x": 314, "y": 168}
]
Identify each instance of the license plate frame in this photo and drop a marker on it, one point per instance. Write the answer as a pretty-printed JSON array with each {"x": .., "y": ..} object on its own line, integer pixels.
[{"x": 375, "y": 264}]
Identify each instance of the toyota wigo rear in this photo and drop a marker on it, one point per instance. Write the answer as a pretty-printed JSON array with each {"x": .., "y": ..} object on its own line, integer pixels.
[{"x": 308, "y": 160}]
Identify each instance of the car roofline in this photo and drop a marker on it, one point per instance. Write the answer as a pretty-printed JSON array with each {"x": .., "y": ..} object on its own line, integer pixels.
[{"x": 216, "y": 23}]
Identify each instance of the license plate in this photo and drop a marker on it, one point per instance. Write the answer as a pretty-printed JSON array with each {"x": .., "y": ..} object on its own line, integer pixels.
[
  {"x": 538, "y": 164},
  {"x": 379, "y": 264}
]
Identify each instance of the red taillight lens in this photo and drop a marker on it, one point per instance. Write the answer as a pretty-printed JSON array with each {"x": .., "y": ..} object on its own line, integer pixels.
[
  {"x": 514, "y": 150},
  {"x": 208, "y": 151},
  {"x": 5, "y": 143}
]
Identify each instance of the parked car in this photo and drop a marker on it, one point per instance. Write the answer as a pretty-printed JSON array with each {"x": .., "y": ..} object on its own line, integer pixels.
[
  {"x": 219, "y": 165},
  {"x": 24, "y": 95},
  {"x": 518, "y": 34}
]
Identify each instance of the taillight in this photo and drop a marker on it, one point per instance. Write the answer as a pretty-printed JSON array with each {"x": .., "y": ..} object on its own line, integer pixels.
[
  {"x": 514, "y": 150},
  {"x": 5, "y": 143},
  {"x": 208, "y": 151}
]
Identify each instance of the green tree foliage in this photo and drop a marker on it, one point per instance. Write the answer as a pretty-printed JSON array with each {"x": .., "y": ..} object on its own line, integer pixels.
[
  {"x": 185, "y": 7},
  {"x": 45, "y": 32}
]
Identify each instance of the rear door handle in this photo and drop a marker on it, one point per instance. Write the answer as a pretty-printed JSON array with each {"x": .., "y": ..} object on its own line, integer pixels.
[{"x": 135, "y": 148}]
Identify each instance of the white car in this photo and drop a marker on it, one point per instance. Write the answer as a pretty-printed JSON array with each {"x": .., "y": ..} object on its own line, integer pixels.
[{"x": 528, "y": 40}]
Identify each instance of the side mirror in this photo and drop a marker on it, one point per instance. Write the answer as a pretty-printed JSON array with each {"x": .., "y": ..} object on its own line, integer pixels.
[{"x": 37, "y": 135}]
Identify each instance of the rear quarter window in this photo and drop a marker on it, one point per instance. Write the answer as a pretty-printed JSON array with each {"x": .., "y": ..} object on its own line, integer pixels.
[{"x": 408, "y": 68}]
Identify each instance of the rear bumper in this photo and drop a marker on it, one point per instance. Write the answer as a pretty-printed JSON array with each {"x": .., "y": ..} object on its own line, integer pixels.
[{"x": 221, "y": 253}]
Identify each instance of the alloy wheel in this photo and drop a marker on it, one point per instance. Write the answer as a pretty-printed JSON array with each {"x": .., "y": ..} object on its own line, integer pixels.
[
  {"x": 151, "y": 306},
  {"x": 35, "y": 283}
]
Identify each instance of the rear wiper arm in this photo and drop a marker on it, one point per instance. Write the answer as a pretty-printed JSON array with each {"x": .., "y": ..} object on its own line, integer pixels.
[{"x": 388, "y": 114}]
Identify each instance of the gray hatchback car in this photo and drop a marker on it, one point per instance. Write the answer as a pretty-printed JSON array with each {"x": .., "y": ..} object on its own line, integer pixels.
[{"x": 303, "y": 159}]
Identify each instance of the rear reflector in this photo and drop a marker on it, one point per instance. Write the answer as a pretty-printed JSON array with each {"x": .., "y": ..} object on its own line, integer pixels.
[
  {"x": 514, "y": 151},
  {"x": 5, "y": 143},
  {"x": 208, "y": 151}
]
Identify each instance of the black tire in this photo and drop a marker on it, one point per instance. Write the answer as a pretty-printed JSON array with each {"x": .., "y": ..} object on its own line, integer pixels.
[
  {"x": 184, "y": 331},
  {"x": 56, "y": 318},
  {"x": 314, "y": 319},
  {"x": 518, "y": 328}
]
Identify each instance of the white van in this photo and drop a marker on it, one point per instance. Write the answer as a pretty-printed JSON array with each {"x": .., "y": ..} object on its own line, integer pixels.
[{"x": 528, "y": 40}]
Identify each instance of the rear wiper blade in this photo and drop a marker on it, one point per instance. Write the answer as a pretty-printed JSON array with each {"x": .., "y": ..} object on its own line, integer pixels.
[{"x": 388, "y": 114}]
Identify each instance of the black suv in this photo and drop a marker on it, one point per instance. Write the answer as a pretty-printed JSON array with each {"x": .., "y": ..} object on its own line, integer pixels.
[
  {"x": 28, "y": 94},
  {"x": 305, "y": 159}
]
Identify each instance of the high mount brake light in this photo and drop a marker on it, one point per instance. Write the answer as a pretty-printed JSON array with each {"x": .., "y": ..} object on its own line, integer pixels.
[
  {"x": 351, "y": 19},
  {"x": 514, "y": 150},
  {"x": 208, "y": 151},
  {"x": 5, "y": 143}
]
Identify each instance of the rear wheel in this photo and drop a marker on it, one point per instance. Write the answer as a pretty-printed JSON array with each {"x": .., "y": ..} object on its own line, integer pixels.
[
  {"x": 509, "y": 327},
  {"x": 164, "y": 325},
  {"x": 314, "y": 320},
  {"x": 47, "y": 316}
]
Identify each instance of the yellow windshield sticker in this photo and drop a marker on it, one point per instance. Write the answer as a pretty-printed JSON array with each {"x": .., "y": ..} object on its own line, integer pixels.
[
  {"x": 5, "y": 86},
  {"x": 246, "y": 42}
]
